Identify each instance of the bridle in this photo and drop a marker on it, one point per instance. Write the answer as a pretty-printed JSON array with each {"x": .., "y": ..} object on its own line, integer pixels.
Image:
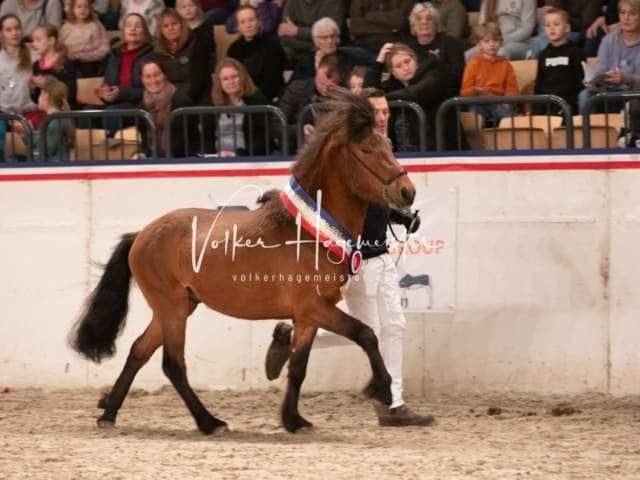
[{"x": 385, "y": 183}]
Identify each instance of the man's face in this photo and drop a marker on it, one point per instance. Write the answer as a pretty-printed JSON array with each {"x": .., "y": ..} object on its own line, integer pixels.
[{"x": 381, "y": 108}]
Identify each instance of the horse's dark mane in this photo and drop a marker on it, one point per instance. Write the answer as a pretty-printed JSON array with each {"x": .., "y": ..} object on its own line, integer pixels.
[{"x": 344, "y": 117}]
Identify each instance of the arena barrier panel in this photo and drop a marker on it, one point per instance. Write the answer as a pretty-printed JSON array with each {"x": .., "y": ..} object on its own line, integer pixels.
[
  {"x": 610, "y": 102},
  {"x": 205, "y": 128},
  {"x": 91, "y": 142},
  {"x": 546, "y": 273},
  {"x": 15, "y": 147}
]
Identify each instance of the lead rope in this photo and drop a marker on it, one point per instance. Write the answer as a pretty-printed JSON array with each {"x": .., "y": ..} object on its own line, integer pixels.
[{"x": 406, "y": 237}]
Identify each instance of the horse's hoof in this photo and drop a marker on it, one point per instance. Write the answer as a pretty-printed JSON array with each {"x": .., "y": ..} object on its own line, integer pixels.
[
  {"x": 105, "y": 423},
  {"x": 383, "y": 395},
  {"x": 296, "y": 423},
  {"x": 213, "y": 425}
]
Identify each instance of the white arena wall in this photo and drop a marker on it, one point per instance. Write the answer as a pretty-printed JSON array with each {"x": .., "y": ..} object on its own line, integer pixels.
[{"x": 547, "y": 294}]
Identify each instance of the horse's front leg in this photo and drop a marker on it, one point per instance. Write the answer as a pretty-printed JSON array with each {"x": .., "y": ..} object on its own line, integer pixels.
[{"x": 300, "y": 347}]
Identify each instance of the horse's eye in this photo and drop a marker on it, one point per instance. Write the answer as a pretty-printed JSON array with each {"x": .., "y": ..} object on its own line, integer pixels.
[{"x": 366, "y": 149}]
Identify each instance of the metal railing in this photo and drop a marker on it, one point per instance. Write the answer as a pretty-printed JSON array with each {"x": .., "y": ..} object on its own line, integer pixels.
[
  {"x": 95, "y": 137},
  {"x": 19, "y": 145},
  {"x": 464, "y": 102},
  {"x": 206, "y": 139},
  {"x": 612, "y": 102},
  {"x": 398, "y": 110}
]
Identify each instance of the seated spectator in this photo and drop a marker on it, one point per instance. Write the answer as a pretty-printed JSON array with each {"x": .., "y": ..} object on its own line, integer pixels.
[
  {"x": 422, "y": 83},
  {"x": 426, "y": 40},
  {"x": 122, "y": 83},
  {"x": 489, "y": 74},
  {"x": 60, "y": 132},
  {"x": 261, "y": 54},
  {"x": 581, "y": 14},
  {"x": 517, "y": 22},
  {"x": 52, "y": 62},
  {"x": 375, "y": 23},
  {"x": 452, "y": 18},
  {"x": 191, "y": 12},
  {"x": 269, "y": 13},
  {"x": 31, "y": 14},
  {"x": 160, "y": 97},
  {"x": 356, "y": 78},
  {"x": 181, "y": 56},
  {"x": 148, "y": 9},
  {"x": 618, "y": 62},
  {"x": 560, "y": 69},
  {"x": 216, "y": 12},
  {"x": 602, "y": 25},
  {"x": 15, "y": 70},
  {"x": 298, "y": 18},
  {"x": 86, "y": 39},
  {"x": 300, "y": 93},
  {"x": 326, "y": 37},
  {"x": 238, "y": 133}
]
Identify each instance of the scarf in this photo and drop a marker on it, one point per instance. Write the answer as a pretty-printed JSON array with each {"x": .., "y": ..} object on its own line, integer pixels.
[{"x": 159, "y": 106}]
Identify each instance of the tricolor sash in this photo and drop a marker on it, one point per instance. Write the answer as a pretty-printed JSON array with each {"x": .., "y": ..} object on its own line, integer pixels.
[{"x": 321, "y": 225}]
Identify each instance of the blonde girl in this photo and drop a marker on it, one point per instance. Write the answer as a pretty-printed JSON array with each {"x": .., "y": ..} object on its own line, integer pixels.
[
  {"x": 52, "y": 62},
  {"x": 86, "y": 39},
  {"x": 15, "y": 68}
]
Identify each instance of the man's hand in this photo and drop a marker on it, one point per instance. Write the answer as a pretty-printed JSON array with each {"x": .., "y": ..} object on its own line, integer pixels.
[
  {"x": 410, "y": 221},
  {"x": 287, "y": 28}
]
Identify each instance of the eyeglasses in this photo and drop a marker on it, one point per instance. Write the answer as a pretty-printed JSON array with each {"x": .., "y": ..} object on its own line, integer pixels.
[{"x": 333, "y": 36}]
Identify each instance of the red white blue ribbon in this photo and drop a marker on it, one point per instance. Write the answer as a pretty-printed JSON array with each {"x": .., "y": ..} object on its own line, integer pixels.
[{"x": 321, "y": 225}]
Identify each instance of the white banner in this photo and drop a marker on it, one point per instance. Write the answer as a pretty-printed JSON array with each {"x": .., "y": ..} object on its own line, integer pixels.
[{"x": 426, "y": 260}]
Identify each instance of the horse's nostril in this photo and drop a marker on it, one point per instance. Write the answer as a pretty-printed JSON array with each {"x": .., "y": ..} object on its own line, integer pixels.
[{"x": 408, "y": 195}]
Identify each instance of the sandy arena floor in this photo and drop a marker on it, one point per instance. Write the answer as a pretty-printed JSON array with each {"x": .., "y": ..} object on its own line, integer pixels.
[{"x": 52, "y": 434}]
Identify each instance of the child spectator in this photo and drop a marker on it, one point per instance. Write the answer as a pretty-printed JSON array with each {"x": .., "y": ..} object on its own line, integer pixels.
[
  {"x": 261, "y": 54},
  {"x": 238, "y": 133},
  {"x": 52, "y": 62},
  {"x": 191, "y": 12},
  {"x": 15, "y": 69},
  {"x": 269, "y": 12},
  {"x": 517, "y": 22},
  {"x": 355, "y": 79},
  {"x": 560, "y": 69},
  {"x": 149, "y": 9},
  {"x": 488, "y": 74},
  {"x": 60, "y": 132},
  {"x": 86, "y": 39},
  {"x": 33, "y": 13}
]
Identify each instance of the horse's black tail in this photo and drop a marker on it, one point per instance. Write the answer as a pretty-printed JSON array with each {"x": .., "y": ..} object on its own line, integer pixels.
[{"x": 95, "y": 332}]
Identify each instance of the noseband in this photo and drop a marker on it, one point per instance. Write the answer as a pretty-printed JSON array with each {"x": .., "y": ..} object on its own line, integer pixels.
[{"x": 385, "y": 183}]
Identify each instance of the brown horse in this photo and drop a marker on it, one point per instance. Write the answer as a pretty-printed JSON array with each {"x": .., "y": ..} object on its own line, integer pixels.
[{"x": 193, "y": 255}]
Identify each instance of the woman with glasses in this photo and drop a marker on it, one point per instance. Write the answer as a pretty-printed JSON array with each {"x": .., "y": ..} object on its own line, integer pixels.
[
  {"x": 427, "y": 40},
  {"x": 326, "y": 40}
]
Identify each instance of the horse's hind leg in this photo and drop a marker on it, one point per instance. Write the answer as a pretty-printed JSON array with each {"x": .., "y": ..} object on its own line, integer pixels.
[
  {"x": 141, "y": 350},
  {"x": 302, "y": 341},
  {"x": 175, "y": 369}
]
